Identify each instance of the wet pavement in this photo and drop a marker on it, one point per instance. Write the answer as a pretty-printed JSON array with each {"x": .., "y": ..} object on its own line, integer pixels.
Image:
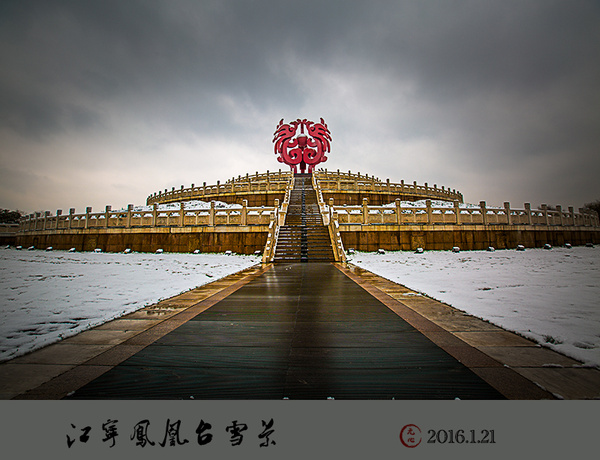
[{"x": 297, "y": 331}]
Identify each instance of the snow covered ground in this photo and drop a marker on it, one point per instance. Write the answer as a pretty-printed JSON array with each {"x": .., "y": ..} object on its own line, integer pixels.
[
  {"x": 47, "y": 296},
  {"x": 550, "y": 296}
]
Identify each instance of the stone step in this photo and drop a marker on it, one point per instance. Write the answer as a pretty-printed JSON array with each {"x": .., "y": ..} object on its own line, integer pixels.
[{"x": 303, "y": 238}]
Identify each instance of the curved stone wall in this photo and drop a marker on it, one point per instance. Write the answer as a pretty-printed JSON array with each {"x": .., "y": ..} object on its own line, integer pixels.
[
  {"x": 351, "y": 189},
  {"x": 345, "y": 188},
  {"x": 258, "y": 190}
]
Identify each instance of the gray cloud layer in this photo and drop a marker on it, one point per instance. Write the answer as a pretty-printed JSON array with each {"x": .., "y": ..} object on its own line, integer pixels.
[{"x": 108, "y": 101}]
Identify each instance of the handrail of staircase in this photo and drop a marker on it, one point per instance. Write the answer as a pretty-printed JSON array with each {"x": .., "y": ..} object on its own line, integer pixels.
[
  {"x": 330, "y": 220},
  {"x": 277, "y": 220}
]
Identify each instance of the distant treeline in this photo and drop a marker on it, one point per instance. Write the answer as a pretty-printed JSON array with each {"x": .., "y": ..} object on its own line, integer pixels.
[
  {"x": 594, "y": 206},
  {"x": 9, "y": 217}
]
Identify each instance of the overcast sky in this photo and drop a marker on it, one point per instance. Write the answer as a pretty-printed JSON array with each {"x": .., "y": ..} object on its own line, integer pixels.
[{"x": 105, "y": 102}]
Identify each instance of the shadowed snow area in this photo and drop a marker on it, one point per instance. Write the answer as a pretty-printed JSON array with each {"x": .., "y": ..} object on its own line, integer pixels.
[{"x": 550, "y": 296}]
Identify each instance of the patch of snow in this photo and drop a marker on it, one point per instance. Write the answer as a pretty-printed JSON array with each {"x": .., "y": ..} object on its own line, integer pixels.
[
  {"x": 48, "y": 296},
  {"x": 550, "y": 297}
]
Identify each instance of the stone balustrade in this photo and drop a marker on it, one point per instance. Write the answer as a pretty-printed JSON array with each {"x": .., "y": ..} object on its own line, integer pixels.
[
  {"x": 269, "y": 182},
  {"x": 9, "y": 228},
  {"x": 330, "y": 220},
  {"x": 332, "y": 182},
  {"x": 397, "y": 214},
  {"x": 369, "y": 225},
  {"x": 242, "y": 215},
  {"x": 277, "y": 221}
]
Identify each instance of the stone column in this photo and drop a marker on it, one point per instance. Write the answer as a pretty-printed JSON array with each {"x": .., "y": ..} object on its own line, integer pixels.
[
  {"x": 129, "y": 215},
  {"x": 545, "y": 211},
  {"x": 88, "y": 211},
  {"x": 572, "y": 215},
  {"x": 211, "y": 216},
  {"x": 155, "y": 215},
  {"x": 107, "y": 215},
  {"x": 507, "y": 212},
  {"x": 457, "y": 212},
  {"x": 482, "y": 207},
  {"x": 181, "y": 214},
  {"x": 276, "y": 212},
  {"x": 560, "y": 215},
  {"x": 398, "y": 211},
  {"x": 365, "y": 211},
  {"x": 429, "y": 212},
  {"x": 244, "y": 214},
  {"x": 528, "y": 212},
  {"x": 45, "y": 222},
  {"x": 71, "y": 214}
]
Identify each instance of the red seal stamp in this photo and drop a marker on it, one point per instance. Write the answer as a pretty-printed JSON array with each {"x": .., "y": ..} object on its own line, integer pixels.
[{"x": 410, "y": 436}]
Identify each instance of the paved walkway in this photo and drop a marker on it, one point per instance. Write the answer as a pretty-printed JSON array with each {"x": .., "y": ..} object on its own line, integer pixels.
[{"x": 298, "y": 331}]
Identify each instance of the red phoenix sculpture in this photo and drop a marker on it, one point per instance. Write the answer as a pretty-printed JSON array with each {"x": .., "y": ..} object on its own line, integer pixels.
[{"x": 304, "y": 149}]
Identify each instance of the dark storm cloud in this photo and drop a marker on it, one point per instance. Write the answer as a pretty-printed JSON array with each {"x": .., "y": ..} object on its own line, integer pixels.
[{"x": 501, "y": 86}]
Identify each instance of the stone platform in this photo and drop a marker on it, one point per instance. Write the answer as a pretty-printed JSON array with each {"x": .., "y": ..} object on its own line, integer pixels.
[{"x": 297, "y": 331}]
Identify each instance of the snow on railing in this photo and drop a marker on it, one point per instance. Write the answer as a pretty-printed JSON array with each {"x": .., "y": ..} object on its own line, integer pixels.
[
  {"x": 265, "y": 182},
  {"x": 427, "y": 213},
  {"x": 277, "y": 221},
  {"x": 190, "y": 214},
  {"x": 330, "y": 181},
  {"x": 330, "y": 220}
]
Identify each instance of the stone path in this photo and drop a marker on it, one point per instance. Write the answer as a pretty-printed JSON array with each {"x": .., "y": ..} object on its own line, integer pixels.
[{"x": 298, "y": 331}]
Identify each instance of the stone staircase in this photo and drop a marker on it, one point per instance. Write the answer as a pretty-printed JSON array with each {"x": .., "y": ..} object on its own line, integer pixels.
[{"x": 303, "y": 237}]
